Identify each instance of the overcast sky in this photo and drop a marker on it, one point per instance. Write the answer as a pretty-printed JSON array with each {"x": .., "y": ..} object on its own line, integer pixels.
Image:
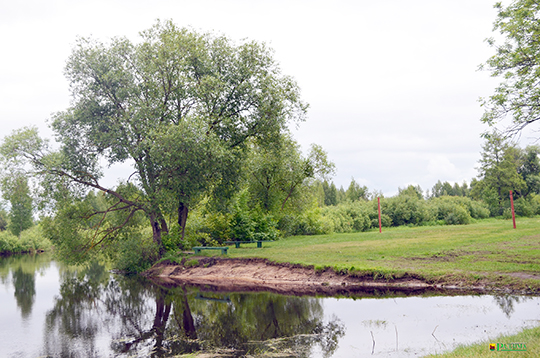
[{"x": 393, "y": 85}]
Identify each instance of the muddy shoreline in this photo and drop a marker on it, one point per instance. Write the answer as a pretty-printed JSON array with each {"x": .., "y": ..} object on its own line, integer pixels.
[{"x": 253, "y": 275}]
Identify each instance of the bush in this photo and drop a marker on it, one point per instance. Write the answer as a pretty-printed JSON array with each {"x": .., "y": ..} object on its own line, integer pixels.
[
  {"x": 242, "y": 226},
  {"x": 349, "y": 216},
  {"x": 452, "y": 209},
  {"x": 524, "y": 207},
  {"x": 218, "y": 226},
  {"x": 535, "y": 203},
  {"x": 312, "y": 222},
  {"x": 172, "y": 242},
  {"x": 136, "y": 255},
  {"x": 386, "y": 221},
  {"x": 10, "y": 244},
  {"x": 34, "y": 240},
  {"x": 406, "y": 210},
  {"x": 251, "y": 224},
  {"x": 198, "y": 238},
  {"x": 30, "y": 240},
  {"x": 457, "y": 215}
]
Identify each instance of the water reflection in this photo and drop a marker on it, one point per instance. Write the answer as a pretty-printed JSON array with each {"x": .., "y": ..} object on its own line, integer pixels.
[
  {"x": 145, "y": 319},
  {"x": 88, "y": 312},
  {"x": 23, "y": 269},
  {"x": 507, "y": 302},
  {"x": 25, "y": 290}
]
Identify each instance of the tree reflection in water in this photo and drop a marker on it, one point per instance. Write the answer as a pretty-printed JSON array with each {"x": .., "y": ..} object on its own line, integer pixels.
[
  {"x": 142, "y": 319},
  {"x": 23, "y": 269},
  {"x": 506, "y": 303},
  {"x": 25, "y": 290}
]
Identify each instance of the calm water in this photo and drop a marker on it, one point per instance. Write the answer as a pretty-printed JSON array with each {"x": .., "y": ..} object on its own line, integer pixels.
[{"x": 48, "y": 310}]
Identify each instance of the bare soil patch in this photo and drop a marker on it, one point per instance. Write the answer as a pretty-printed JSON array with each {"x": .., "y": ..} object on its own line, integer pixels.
[{"x": 224, "y": 274}]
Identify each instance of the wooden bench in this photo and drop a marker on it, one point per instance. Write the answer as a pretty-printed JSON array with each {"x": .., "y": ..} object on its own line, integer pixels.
[
  {"x": 198, "y": 249},
  {"x": 237, "y": 243}
]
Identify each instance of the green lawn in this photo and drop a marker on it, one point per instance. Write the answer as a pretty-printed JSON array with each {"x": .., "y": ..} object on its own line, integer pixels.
[{"x": 486, "y": 250}]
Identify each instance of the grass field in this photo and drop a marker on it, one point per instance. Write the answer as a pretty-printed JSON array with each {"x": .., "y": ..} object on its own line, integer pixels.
[{"x": 486, "y": 251}]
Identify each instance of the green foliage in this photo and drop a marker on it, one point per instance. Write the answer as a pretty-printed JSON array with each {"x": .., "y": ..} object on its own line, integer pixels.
[
  {"x": 498, "y": 173},
  {"x": 534, "y": 201},
  {"x": 356, "y": 192},
  {"x": 530, "y": 170},
  {"x": 330, "y": 194},
  {"x": 516, "y": 62},
  {"x": 183, "y": 107},
  {"x": 34, "y": 240},
  {"x": 349, "y": 216},
  {"x": 30, "y": 240},
  {"x": 15, "y": 189},
  {"x": 457, "y": 210},
  {"x": 10, "y": 244},
  {"x": 411, "y": 190},
  {"x": 198, "y": 238},
  {"x": 406, "y": 209},
  {"x": 251, "y": 223},
  {"x": 477, "y": 209},
  {"x": 136, "y": 255},
  {"x": 172, "y": 241},
  {"x": 191, "y": 263},
  {"x": 3, "y": 220},
  {"x": 277, "y": 173},
  {"x": 199, "y": 230},
  {"x": 386, "y": 221},
  {"x": 82, "y": 225},
  {"x": 242, "y": 225},
  {"x": 441, "y": 189},
  {"x": 218, "y": 226},
  {"x": 310, "y": 222},
  {"x": 452, "y": 213},
  {"x": 524, "y": 207}
]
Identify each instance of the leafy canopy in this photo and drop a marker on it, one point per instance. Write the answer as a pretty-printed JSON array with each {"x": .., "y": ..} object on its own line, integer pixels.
[
  {"x": 517, "y": 62},
  {"x": 180, "y": 106}
]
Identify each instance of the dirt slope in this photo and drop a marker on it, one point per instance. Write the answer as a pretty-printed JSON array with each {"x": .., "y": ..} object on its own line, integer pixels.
[{"x": 224, "y": 274}]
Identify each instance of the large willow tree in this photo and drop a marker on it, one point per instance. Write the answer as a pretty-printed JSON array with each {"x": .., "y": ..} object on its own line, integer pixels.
[{"x": 178, "y": 105}]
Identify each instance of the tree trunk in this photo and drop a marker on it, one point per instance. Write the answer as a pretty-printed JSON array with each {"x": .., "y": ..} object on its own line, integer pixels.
[
  {"x": 159, "y": 226},
  {"x": 182, "y": 217}
]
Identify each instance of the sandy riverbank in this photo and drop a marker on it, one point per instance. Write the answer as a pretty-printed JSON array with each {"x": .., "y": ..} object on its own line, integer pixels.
[{"x": 226, "y": 274}]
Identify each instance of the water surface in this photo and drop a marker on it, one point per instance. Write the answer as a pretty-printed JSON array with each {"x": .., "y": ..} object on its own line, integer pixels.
[{"x": 49, "y": 310}]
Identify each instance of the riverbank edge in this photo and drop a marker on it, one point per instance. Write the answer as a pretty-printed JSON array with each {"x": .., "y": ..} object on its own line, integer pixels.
[
  {"x": 259, "y": 274},
  {"x": 530, "y": 337}
]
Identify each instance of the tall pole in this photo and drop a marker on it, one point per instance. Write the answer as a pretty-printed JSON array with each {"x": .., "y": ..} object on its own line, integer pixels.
[
  {"x": 379, "y": 205},
  {"x": 512, "y": 205}
]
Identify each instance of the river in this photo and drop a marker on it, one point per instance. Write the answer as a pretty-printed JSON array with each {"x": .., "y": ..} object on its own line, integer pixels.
[{"x": 51, "y": 310}]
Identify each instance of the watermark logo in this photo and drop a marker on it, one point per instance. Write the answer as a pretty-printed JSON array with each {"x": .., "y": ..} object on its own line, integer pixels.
[{"x": 508, "y": 347}]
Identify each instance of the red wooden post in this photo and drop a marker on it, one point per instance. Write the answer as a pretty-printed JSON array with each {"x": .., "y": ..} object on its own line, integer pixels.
[
  {"x": 379, "y": 204},
  {"x": 513, "y": 212}
]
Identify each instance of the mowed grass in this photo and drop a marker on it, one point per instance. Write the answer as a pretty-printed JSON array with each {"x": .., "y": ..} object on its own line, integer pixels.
[{"x": 485, "y": 250}]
